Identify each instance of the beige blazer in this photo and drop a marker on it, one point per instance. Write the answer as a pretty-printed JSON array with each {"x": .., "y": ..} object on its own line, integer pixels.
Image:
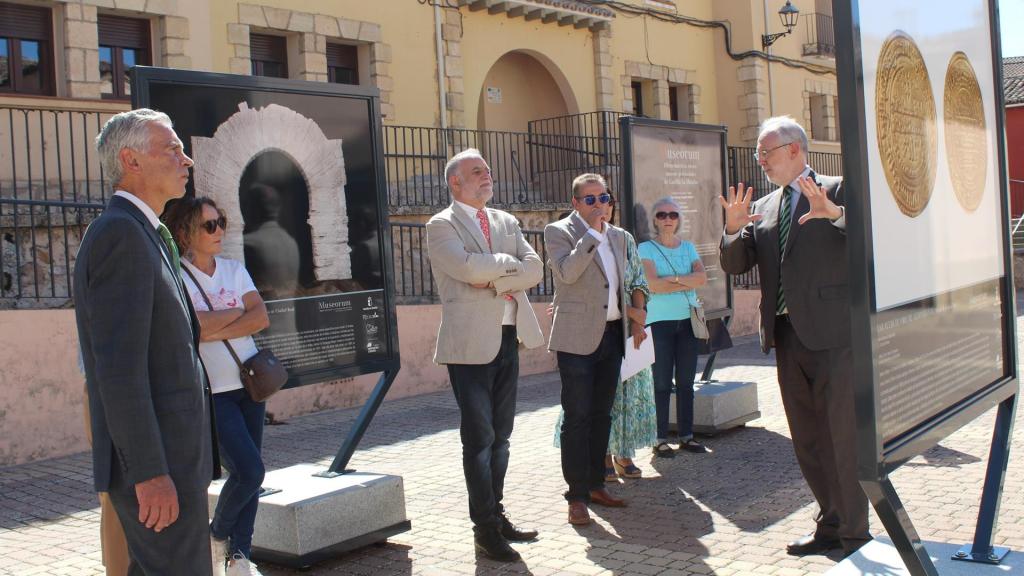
[
  {"x": 581, "y": 288},
  {"x": 470, "y": 331}
]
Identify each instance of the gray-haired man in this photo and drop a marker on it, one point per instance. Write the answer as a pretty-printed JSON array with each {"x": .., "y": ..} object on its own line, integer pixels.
[
  {"x": 796, "y": 236},
  {"x": 483, "y": 266},
  {"x": 149, "y": 406}
]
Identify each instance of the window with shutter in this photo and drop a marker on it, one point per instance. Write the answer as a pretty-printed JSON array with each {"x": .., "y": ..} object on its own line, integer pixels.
[
  {"x": 342, "y": 64},
  {"x": 269, "y": 55},
  {"x": 124, "y": 42},
  {"x": 26, "y": 49}
]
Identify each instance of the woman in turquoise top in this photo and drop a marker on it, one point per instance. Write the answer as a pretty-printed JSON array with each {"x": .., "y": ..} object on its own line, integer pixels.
[{"x": 674, "y": 271}]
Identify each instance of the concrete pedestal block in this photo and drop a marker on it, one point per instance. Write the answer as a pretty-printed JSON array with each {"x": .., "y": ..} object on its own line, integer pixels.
[
  {"x": 880, "y": 557},
  {"x": 719, "y": 406},
  {"x": 314, "y": 518}
]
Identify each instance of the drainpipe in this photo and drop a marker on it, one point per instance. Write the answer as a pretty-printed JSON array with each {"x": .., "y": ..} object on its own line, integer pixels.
[
  {"x": 440, "y": 67},
  {"x": 768, "y": 64}
]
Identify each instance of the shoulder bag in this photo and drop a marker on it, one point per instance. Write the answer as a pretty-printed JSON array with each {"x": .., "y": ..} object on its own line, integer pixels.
[{"x": 263, "y": 374}]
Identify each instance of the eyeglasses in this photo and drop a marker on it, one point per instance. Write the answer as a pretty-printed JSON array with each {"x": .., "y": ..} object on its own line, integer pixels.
[
  {"x": 590, "y": 199},
  {"x": 211, "y": 225},
  {"x": 669, "y": 215},
  {"x": 764, "y": 153}
]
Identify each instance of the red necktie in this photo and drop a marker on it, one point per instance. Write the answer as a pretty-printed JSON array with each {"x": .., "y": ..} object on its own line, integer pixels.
[{"x": 485, "y": 226}]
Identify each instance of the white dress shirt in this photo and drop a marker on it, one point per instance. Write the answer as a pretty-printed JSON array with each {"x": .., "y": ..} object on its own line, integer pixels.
[
  {"x": 509, "y": 317},
  {"x": 146, "y": 210},
  {"x": 606, "y": 258}
]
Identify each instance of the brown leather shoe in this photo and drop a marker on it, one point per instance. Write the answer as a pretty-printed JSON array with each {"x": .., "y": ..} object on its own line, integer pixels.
[
  {"x": 603, "y": 498},
  {"x": 578, "y": 513}
]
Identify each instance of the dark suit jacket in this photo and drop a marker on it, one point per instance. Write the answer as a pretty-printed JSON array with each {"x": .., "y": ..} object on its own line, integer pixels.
[
  {"x": 139, "y": 337},
  {"x": 813, "y": 266}
]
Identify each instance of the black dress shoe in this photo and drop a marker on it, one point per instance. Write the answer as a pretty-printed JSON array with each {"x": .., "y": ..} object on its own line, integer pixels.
[
  {"x": 513, "y": 534},
  {"x": 492, "y": 544},
  {"x": 810, "y": 545}
]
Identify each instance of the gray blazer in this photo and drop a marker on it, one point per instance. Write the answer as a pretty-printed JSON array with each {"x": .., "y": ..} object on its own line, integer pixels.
[
  {"x": 148, "y": 399},
  {"x": 813, "y": 266},
  {"x": 470, "y": 331},
  {"x": 581, "y": 288}
]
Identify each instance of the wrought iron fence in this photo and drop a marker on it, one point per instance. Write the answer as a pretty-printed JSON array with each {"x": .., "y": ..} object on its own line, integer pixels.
[
  {"x": 528, "y": 168},
  {"x": 51, "y": 187},
  {"x": 414, "y": 282}
]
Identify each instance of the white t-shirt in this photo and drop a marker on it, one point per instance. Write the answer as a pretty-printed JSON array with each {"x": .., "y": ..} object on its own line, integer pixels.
[{"x": 225, "y": 289}]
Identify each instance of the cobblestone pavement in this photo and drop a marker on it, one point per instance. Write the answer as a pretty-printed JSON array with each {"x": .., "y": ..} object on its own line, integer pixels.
[{"x": 727, "y": 513}]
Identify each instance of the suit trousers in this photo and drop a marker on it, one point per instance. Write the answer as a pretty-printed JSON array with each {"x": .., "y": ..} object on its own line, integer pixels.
[
  {"x": 181, "y": 548},
  {"x": 588, "y": 392},
  {"x": 486, "y": 395},
  {"x": 817, "y": 393}
]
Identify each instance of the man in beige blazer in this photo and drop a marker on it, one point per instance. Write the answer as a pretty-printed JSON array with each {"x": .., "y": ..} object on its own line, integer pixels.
[
  {"x": 587, "y": 257},
  {"x": 483, "y": 265}
]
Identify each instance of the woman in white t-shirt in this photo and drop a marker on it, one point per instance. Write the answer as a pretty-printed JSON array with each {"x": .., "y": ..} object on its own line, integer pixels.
[{"x": 237, "y": 313}]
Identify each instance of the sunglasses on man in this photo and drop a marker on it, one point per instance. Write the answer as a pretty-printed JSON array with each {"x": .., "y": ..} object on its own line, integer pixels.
[
  {"x": 669, "y": 215},
  {"x": 590, "y": 199},
  {"x": 211, "y": 225}
]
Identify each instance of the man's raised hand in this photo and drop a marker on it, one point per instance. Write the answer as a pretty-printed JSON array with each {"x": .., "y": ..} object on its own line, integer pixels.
[{"x": 737, "y": 208}]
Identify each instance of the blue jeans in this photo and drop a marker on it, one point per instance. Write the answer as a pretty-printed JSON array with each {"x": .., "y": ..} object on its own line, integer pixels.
[
  {"x": 240, "y": 432},
  {"x": 588, "y": 392},
  {"x": 486, "y": 395},
  {"x": 675, "y": 354}
]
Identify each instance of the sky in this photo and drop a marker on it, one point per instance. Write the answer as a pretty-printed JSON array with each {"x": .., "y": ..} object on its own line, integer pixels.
[{"x": 1011, "y": 19}]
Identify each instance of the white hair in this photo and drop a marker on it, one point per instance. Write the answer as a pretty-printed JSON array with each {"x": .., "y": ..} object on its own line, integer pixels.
[
  {"x": 125, "y": 130},
  {"x": 453, "y": 165},
  {"x": 786, "y": 128},
  {"x": 667, "y": 201}
]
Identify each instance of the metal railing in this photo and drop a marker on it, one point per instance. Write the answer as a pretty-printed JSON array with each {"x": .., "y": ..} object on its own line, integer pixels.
[
  {"x": 414, "y": 282},
  {"x": 820, "y": 39},
  {"x": 1016, "y": 197},
  {"x": 51, "y": 187},
  {"x": 528, "y": 168}
]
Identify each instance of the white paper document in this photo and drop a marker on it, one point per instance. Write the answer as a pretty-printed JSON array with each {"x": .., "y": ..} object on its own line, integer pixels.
[{"x": 637, "y": 360}]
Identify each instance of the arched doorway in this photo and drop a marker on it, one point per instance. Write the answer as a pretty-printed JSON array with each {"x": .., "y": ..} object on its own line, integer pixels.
[{"x": 522, "y": 86}]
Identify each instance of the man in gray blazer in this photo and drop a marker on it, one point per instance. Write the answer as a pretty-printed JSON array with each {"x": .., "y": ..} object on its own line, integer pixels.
[
  {"x": 796, "y": 236},
  {"x": 587, "y": 258},
  {"x": 150, "y": 416},
  {"x": 483, "y": 266}
]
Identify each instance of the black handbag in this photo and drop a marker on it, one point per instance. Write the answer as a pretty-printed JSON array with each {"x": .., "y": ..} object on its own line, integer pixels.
[{"x": 263, "y": 374}]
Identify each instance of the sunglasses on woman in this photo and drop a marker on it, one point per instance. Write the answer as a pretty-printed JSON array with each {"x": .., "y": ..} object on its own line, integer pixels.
[
  {"x": 669, "y": 215},
  {"x": 590, "y": 200},
  {"x": 211, "y": 225}
]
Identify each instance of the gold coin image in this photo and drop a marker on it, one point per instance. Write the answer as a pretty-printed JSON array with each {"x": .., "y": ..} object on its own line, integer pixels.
[
  {"x": 964, "y": 122},
  {"x": 905, "y": 122}
]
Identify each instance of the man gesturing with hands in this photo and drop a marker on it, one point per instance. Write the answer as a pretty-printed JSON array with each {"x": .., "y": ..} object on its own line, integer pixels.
[{"x": 796, "y": 236}]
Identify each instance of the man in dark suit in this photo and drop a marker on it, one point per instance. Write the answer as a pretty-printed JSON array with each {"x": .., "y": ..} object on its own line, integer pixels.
[
  {"x": 483, "y": 266},
  {"x": 797, "y": 238},
  {"x": 149, "y": 406},
  {"x": 587, "y": 258}
]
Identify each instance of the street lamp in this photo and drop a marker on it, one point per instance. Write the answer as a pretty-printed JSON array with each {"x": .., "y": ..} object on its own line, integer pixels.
[{"x": 788, "y": 14}]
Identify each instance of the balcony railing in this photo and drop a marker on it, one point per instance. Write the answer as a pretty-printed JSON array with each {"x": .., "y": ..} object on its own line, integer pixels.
[{"x": 820, "y": 39}]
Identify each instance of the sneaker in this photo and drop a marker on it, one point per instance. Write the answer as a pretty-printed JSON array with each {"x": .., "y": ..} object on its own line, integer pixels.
[
  {"x": 219, "y": 555},
  {"x": 241, "y": 566}
]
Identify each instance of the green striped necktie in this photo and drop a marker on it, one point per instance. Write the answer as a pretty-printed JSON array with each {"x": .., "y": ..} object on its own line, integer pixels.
[
  {"x": 785, "y": 219},
  {"x": 172, "y": 247}
]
